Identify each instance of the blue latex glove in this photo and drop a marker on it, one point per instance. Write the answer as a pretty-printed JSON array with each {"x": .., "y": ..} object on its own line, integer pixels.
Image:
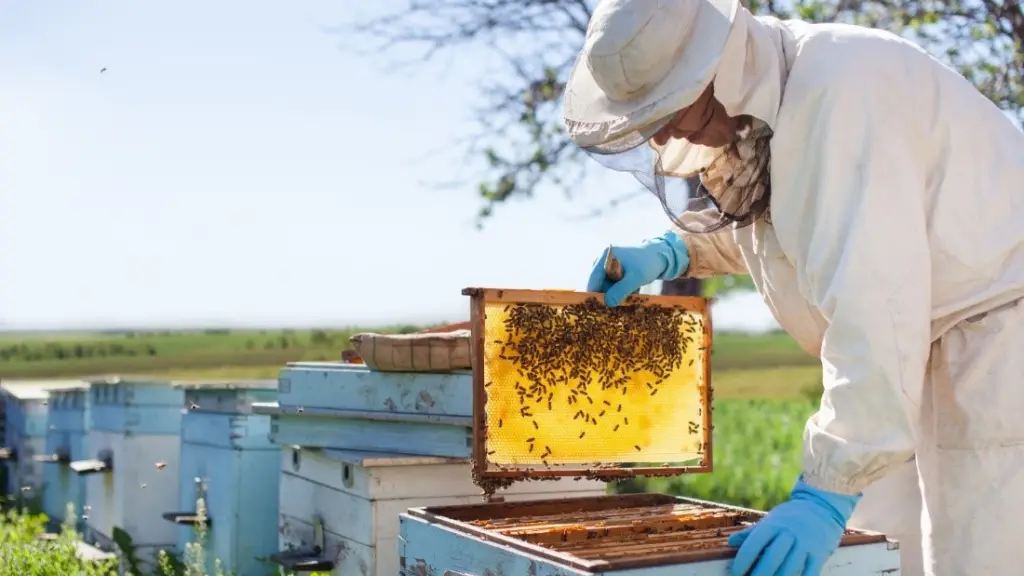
[
  {"x": 797, "y": 537},
  {"x": 664, "y": 257}
]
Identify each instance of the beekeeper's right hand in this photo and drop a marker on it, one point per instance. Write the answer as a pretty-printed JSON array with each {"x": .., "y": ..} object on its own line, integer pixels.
[{"x": 664, "y": 258}]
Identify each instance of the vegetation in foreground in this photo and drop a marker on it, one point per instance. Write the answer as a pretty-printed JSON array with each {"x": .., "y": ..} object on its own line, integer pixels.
[{"x": 24, "y": 552}]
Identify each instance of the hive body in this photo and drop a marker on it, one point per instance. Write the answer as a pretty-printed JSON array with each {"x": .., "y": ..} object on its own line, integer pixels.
[
  {"x": 66, "y": 442},
  {"x": 26, "y": 408},
  {"x": 228, "y": 459},
  {"x": 330, "y": 404},
  {"x": 373, "y": 445},
  {"x": 134, "y": 428},
  {"x": 636, "y": 535}
]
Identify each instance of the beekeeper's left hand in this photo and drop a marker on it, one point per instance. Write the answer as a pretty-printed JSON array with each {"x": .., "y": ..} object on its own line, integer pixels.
[{"x": 797, "y": 537}]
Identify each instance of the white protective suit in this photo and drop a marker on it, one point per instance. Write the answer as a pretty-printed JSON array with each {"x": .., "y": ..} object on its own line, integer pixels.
[{"x": 895, "y": 252}]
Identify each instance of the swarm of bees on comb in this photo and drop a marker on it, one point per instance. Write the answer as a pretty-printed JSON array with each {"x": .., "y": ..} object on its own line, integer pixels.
[{"x": 585, "y": 371}]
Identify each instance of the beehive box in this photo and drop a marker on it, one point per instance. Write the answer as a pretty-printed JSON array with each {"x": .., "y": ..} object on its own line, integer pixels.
[
  {"x": 132, "y": 462},
  {"x": 628, "y": 535},
  {"x": 26, "y": 407},
  {"x": 66, "y": 442},
  {"x": 356, "y": 498},
  {"x": 338, "y": 405},
  {"x": 228, "y": 460},
  {"x": 370, "y": 443}
]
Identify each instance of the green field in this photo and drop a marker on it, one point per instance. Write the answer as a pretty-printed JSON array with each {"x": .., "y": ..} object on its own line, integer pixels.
[
  {"x": 226, "y": 353},
  {"x": 765, "y": 388}
]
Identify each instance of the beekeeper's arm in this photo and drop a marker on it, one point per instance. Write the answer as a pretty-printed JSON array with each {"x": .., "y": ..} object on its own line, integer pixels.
[
  {"x": 849, "y": 210},
  {"x": 712, "y": 254}
]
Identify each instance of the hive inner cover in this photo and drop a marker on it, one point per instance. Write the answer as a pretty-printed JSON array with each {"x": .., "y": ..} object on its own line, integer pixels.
[{"x": 573, "y": 382}]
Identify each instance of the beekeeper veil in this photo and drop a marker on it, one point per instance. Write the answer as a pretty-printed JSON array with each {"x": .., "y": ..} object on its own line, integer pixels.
[{"x": 643, "y": 62}]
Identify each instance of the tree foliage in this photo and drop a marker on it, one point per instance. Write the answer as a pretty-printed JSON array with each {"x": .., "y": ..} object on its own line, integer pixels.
[{"x": 519, "y": 130}]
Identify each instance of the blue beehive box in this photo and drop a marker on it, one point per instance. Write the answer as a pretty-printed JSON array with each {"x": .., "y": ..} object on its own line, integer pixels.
[
  {"x": 26, "y": 406},
  {"x": 338, "y": 405},
  {"x": 359, "y": 447},
  {"x": 66, "y": 438},
  {"x": 132, "y": 462},
  {"x": 228, "y": 459},
  {"x": 625, "y": 535}
]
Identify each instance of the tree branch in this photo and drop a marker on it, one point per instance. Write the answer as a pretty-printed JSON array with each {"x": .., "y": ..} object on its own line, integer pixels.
[{"x": 519, "y": 135}]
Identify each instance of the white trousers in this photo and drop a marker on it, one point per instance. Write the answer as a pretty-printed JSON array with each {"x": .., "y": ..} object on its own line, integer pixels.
[{"x": 958, "y": 510}]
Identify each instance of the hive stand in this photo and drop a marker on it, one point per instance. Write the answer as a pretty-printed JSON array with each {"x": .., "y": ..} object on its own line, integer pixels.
[
  {"x": 66, "y": 442},
  {"x": 359, "y": 447},
  {"x": 132, "y": 462},
  {"x": 228, "y": 459},
  {"x": 26, "y": 407}
]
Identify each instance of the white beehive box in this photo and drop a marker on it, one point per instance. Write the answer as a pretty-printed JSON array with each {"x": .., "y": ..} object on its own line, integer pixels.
[
  {"x": 132, "y": 465},
  {"x": 358, "y": 497}
]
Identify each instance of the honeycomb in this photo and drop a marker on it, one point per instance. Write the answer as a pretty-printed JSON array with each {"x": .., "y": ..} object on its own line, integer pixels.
[{"x": 584, "y": 384}]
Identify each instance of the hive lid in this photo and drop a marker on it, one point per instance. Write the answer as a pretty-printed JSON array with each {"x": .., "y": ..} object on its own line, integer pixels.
[
  {"x": 566, "y": 386},
  {"x": 38, "y": 389}
]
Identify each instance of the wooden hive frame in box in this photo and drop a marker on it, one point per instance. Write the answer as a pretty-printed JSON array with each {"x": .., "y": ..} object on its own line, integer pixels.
[{"x": 604, "y": 466}]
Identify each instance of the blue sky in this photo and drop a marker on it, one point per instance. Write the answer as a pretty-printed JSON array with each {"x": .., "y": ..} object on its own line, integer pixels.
[{"x": 233, "y": 166}]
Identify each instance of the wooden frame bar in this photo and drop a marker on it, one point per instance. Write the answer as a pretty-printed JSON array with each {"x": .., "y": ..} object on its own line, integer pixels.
[{"x": 480, "y": 297}]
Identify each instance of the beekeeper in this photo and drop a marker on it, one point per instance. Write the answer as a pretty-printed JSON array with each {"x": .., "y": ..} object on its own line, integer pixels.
[{"x": 877, "y": 200}]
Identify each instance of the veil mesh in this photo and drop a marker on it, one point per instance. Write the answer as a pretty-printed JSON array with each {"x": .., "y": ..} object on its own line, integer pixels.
[{"x": 734, "y": 179}]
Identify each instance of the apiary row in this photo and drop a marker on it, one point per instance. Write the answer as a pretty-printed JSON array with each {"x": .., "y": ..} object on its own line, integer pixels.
[{"x": 309, "y": 472}]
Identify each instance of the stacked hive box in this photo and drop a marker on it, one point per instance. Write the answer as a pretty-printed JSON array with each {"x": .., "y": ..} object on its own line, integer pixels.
[
  {"x": 66, "y": 442},
  {"x": 360, "y": 447},
  {"x": 26, "y": 407},
  {"x": 227, "y": 459},
  {"x": 132, "y": 462}
]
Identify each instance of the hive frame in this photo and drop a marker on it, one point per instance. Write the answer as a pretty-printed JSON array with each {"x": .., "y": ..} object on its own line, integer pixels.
[{"x": 479, "y": 297}]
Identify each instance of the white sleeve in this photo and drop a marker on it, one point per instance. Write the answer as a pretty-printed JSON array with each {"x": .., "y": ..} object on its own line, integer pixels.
[
  {"x": 712, "y": 254},
  {"x": 849, "y": 209}
]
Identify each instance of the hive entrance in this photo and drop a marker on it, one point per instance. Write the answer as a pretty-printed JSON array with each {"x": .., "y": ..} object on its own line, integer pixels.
[{"x": 566, "y": 386}]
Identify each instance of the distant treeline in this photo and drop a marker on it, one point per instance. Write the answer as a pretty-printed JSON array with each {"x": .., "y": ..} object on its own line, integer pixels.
[
  {"x": 58, "y": 351},
  {"x": 129, "y": 344}
]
